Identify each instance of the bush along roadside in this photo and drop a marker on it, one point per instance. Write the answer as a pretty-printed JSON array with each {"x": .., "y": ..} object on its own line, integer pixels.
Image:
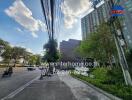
[{"x": 109, "y": 80}]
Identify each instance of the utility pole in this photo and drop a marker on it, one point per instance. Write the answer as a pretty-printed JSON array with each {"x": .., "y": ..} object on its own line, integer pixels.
[
  {"x": 48, "y": 9},
  {"x": 119, "y": 38}
]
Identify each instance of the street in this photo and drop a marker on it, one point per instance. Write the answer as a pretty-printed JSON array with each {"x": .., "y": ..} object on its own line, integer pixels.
[
  {"x": 19, "y": 78},
  {"x": 25, "y": 85}
]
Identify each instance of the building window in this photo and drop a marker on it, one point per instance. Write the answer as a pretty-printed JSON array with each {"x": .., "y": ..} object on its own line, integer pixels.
[
  {"x": 130, "y": 41},
  {"x": 128, "y": 37}
]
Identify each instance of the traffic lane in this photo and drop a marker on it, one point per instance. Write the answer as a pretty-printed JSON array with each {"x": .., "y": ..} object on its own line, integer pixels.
[
  {"x": 50, "y": 88},
  {"x": 10, "y": 84},
  {"x": 15, "y": 70},
  {"x": 81, "y": 90},
  {"x": 1, "y": 71}
]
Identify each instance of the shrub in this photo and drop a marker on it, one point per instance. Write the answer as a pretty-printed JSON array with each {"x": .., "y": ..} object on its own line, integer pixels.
[{"x": 103, "y": 75}]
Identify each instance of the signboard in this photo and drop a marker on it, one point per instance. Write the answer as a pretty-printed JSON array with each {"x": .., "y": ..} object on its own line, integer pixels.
[{"x": 117, "y": 10}]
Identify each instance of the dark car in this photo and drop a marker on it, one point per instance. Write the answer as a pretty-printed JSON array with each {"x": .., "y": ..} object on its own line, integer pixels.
[{"x": 31, "y": 68}]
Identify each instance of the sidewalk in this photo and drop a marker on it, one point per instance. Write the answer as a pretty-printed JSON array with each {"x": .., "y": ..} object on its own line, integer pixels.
[
  {"x": 81, "y": 90},
  {"x": 50, "y": 88}
]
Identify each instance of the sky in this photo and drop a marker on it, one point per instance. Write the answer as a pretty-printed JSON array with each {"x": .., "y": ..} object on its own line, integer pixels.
[{"x": 22, "y": 22}]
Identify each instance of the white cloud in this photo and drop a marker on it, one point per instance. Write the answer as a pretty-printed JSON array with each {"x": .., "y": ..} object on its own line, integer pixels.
[
  {"x": 12, "y": 45},
  {"x": 18, "y": 29},
  {"x": 29, "y": 50},
  {"x": 23, "y": 15},
  {"x": 76, "y": 35},
  {"x": 34, "y": 35},
  {"x": 73, "y": 9}
]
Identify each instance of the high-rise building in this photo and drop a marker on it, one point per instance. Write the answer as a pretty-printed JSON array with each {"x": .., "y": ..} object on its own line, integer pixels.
[
  {"x": 95, "y": 17},
  {"x": 67, "y": 50},
  {"x": 127, "y": 4},
  {"x": 102, "y": 13}
]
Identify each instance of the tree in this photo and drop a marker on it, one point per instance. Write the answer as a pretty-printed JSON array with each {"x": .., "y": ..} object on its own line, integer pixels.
[
  {"x": 99, "y": 45},
  {"x": 106, "y": 41},
  {"x": 17, "y": 52},
  {"x": 32, "y": 60},
  {"x": 38, "y": 61},
  {"x": 4, "y": 43},
  {"x": 7, "y": 50},
  {"x": 52, "y": 53}
]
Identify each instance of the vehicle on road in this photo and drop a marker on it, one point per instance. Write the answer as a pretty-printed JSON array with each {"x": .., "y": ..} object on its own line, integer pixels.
[
  {"x": 8, "y": 72},
  {"x": 31, "y": 68}
]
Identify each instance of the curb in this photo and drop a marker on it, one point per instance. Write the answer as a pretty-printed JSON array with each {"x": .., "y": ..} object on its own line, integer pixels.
[{"x": 99, "y": 90}]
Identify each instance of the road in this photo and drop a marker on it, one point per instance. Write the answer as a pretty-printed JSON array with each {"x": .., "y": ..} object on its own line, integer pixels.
[
  {"x": 20, "y": 77},
  {"x": 24, "y": 85}
]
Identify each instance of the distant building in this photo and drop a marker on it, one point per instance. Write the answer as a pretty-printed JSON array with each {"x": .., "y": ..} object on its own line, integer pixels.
[
  {"x": 96, "y": 16},
  {"x": 67, "y": 50}
]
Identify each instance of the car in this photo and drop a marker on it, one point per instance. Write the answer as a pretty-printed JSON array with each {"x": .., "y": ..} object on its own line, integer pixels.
[{"x": 31, "y": 68}]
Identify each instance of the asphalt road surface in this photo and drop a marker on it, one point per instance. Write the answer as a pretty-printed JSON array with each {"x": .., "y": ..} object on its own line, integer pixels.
[
  {"x": 20, "y": 77},
  {"x": 24, "y": 85}
]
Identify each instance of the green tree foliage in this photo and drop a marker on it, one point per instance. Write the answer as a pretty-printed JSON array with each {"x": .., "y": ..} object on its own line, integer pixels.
[
  {"x": 38, "y": 60},
  {"x": 129, "y": 59},
  {"x": 7, "y": 50},
  {"x": 99, "y": 45},
  {"x": 18, "y": 52},
  {"x": 51, "y": 54},
  {"x": 32, "y": 60},
  {"x": 4, "y": 43}
]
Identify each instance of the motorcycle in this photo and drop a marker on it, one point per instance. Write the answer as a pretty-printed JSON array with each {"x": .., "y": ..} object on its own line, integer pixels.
[{"x": 8, "y": 72}]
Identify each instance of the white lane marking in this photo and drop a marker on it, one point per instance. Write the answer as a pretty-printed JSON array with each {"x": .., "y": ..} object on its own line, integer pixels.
[{"x": 11, "y": 95}]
